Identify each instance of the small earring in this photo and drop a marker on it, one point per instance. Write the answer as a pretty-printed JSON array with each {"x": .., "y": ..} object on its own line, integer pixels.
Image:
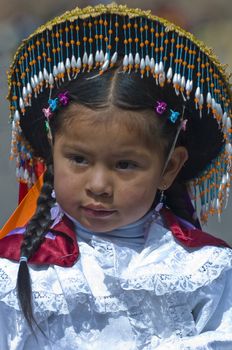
[{"x": 161, "y": 199}]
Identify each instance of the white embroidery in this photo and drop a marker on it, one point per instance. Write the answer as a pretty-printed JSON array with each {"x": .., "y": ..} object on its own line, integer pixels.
[{"x": 121, "y": 297}]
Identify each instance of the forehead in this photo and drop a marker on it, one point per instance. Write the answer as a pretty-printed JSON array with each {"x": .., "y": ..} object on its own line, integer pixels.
[{"x": 135, "y": 126}]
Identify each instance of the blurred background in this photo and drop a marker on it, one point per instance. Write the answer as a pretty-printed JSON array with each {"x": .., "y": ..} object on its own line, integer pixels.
[{"x": 209, "y": 20}]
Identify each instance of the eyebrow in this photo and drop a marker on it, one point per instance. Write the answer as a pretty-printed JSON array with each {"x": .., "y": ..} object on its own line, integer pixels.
[{"x": 121, "y": 153}]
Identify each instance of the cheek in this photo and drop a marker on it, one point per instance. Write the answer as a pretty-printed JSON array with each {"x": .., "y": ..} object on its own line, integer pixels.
[
  {"x": 63, "y": 182},
  {"x": 139, "y": 193}
]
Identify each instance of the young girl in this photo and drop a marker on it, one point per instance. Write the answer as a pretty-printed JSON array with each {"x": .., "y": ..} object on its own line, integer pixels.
[{"x": 127, "y": 113}]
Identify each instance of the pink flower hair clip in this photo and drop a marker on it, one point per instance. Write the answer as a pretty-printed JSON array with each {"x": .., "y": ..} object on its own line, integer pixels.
[
  {"x": 64, "y": 98},
  {"x": 161, "y": 107}
]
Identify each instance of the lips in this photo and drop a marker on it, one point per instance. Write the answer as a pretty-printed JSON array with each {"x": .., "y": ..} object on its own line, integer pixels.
[{"x": 97, "y": 211}]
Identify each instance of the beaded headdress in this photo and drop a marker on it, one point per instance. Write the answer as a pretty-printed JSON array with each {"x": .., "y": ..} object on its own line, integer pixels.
[{"x": 94, "y": 38}]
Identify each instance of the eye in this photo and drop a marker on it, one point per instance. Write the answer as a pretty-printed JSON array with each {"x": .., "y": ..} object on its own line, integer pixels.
[
  {"x": 126, "y": 165},
  {"x": 79, "y": 160}
]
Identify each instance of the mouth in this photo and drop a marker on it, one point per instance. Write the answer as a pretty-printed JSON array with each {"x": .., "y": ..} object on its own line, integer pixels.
[{"x": 97, "y": 211}]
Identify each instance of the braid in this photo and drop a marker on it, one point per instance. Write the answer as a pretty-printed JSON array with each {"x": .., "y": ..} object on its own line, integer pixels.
[{"x": 33, "y": 238}]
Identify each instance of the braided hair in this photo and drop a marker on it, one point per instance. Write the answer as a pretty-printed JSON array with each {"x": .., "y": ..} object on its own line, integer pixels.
[{"x": 33, "y": 238}]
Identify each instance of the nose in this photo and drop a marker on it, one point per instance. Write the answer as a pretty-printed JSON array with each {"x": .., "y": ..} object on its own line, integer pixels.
[{"x": 99, "y": 182}]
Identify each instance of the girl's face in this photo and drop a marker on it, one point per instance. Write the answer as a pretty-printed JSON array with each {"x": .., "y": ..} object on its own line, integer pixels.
[{"x": 104, "y": 175}]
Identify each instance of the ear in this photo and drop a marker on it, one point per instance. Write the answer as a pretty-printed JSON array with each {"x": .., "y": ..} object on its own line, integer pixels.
[{"x": 175, "y": 163}]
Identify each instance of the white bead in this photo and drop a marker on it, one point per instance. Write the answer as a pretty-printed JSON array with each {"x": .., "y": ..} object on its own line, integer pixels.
[
  {"x": 229, "y": 148},
  {"x": 228, "y": 123},
  {"x": 36, "y": 80},
  {"x": 29, "y": 89},
  {"x": 85, "y": 58},
  {"x": 59, "y": 67},
  {"x": 41, "y": 78},
  {"x": 106, "y": 57},
  {"x": 198, "y": 93},
  {"x": 21, "y": 172},
  {"x": 169, "y": 74},
  {"x": 32, "y": 82},
  {"x": 21, "y": 103},
  {"x": 67, "y": 63},
  {"x": 189, "y": 85},
  {"x": 161, "y": 67},
  {"x": 142, "y": 64},
  {"x": 79, "y": 63},
  {"x": 209, "y": 98},
  {"x": 131, "y": 59},
  {"x": 152, "y": 63},
  {"x": 45, "y": 74},
  {"x": 147, "y": 60},
  {"x": 175, "y": 79},
  {"x": 219, "y": 109},
  {"x": 62, "y": 67},
  {"x": 16, "y": 116},
  {"x": 55, "y": 71},
  {"x": 137, "y": 58},
  {"x": 213, "y": 103},
  {"x": 90, "y": 60},
  {"x": 201, "y": 100},
  {"x": 25, "y": 175},
  {"x": 17, "y": 173},
  {"x": 102, "y": 56},
  {"x": 73, "y": 62},
  {"x": 105, "y": 65},
  {"x": 183, "y": 82},
  {"x": 114, "y": 58},
  {"x": 97, "y": 56},
  {"x": 224, "y": 118},
  {"x": 13, "y": 126},
  {"x": 223, "y": 179},
  {"x": 51, "y": 79},
  {"x": 24, "y": 92},
  {"x": 156, "y": 68},
  {"x": 125, "y": 61}
]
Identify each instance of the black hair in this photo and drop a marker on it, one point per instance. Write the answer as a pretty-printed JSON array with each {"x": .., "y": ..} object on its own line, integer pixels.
[{"x": 125, "y": 91}]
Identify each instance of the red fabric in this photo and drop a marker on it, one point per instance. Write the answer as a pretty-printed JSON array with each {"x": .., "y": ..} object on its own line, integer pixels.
[
  {"x": 62, "y": 251},
  {"x": 189, "y": 237},
  {"x": 23, "y": 189}
]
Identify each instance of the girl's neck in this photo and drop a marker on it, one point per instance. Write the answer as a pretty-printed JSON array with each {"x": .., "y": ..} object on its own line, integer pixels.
[{"x": 134, "y": 233}]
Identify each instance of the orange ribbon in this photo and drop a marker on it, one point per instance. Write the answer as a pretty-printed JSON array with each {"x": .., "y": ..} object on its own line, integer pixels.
[{"x": 25, "y": 210}]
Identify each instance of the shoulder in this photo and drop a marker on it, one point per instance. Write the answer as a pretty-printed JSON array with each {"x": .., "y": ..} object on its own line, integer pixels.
[
  {"x": 167, "y": 265},
  {"x": 59, "y": 247},
  {"x": 187, "y": 234}
]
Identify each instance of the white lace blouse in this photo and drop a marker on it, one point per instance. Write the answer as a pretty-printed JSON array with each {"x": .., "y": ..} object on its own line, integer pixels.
[{"x": 125, "y": 292}]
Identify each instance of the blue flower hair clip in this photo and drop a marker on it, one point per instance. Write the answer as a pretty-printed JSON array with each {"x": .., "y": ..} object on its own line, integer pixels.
[
  {"x": 173, "y": 116},
  {"x": 53, "y": 104}
]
